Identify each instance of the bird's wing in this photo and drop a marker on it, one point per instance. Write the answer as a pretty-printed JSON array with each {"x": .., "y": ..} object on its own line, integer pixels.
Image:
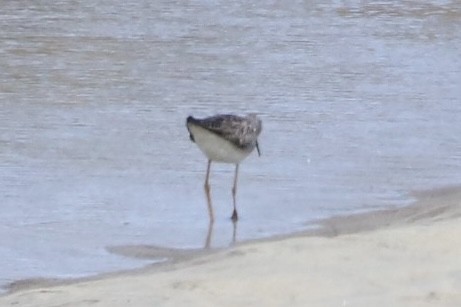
[{"x": 241, "y": 131}]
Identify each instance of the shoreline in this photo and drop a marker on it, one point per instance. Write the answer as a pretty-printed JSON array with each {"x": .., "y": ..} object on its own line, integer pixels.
[{"x": 432, "y": 209}]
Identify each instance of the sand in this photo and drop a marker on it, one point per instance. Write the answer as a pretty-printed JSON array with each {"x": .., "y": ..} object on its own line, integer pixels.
[{"x": 402, "y": 257}]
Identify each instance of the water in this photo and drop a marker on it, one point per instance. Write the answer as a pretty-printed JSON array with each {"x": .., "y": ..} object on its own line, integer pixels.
[{"x": 359, "y": 100}]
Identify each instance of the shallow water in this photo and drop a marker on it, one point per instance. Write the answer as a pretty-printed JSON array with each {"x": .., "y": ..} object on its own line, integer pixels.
[{"x": 360, "y": 105}]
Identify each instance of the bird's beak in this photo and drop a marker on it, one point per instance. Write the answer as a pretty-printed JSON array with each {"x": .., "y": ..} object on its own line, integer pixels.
[{"x": 257, "y": 148}]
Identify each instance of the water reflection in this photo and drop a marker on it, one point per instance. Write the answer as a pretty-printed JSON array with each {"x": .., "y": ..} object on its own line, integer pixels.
[
  {"x": 165, "y": 254},
  {"x": 209, "y": 236}
]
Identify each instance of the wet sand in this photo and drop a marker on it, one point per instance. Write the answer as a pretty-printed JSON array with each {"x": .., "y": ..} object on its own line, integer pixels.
[{"x": 401, "y": 257}]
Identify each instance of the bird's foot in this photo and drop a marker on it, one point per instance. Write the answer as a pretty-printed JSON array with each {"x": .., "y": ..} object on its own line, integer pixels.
[{"x": 234, "y": 216}]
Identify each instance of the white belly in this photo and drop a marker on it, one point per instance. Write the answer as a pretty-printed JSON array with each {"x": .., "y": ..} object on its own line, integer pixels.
[{"x": 217, "y": 148}]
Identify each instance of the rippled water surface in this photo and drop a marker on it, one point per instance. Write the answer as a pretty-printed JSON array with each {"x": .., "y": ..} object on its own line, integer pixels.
[{"x": 360, "y": 102}]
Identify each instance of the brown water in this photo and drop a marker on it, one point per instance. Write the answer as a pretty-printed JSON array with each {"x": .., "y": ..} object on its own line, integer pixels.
[{"x": 360, "y": 102}]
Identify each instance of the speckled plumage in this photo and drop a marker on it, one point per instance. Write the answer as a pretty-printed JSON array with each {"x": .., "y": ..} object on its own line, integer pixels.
[{"x": 243, "y": 132}]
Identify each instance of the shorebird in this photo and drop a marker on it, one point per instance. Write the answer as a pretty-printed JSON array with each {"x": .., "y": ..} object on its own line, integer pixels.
[{"x": 225, "y": 138}]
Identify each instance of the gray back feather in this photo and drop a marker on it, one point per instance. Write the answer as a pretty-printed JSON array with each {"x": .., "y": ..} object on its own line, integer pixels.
[{"x": 241, "y": 131}]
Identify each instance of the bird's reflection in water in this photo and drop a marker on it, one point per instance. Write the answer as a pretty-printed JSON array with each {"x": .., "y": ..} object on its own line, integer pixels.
[
  {"x": 209, "y": 236},
  {"x": 170, "y": 254}
]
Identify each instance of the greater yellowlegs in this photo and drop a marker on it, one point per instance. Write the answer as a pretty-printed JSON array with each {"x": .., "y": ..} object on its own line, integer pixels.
[{"x": 225, "y": 138}]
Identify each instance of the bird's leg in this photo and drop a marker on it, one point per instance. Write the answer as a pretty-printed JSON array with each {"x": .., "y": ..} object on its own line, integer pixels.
[
  {"x": 207, "y": 178},
  {"x": 234, "y": 194},
  {"x": 207, "y": 192}
]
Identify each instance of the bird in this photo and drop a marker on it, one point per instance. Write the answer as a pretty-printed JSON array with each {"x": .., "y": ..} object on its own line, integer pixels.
[{"x": 225, "y": 138}]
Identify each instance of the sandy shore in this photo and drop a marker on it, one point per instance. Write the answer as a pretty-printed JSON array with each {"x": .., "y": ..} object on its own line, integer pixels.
[{"x": 406, "y": 257}]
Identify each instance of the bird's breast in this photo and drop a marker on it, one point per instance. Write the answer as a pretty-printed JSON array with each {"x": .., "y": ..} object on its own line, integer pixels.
[{"x": 217, "y": 148}]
